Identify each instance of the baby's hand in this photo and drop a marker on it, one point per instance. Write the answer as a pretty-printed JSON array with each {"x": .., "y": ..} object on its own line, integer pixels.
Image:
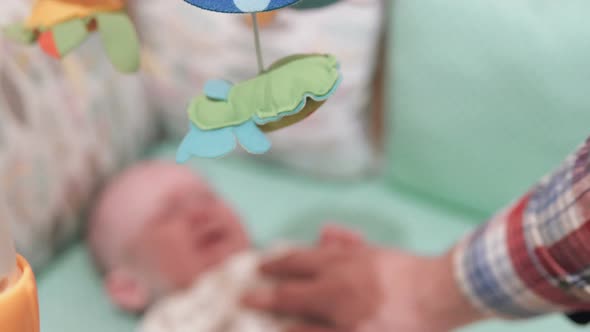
[{"x": 339, "y": 236}]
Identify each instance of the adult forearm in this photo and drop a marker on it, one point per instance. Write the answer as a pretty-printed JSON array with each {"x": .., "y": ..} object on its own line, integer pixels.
[
  {"x": 442, "y": 298},
  {"x": 531, "y": 258}
]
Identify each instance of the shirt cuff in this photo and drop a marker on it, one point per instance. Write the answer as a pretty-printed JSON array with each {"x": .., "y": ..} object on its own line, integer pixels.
[
  {"x": 489, "y": 265},
  {"x": 534, "y": 258}
]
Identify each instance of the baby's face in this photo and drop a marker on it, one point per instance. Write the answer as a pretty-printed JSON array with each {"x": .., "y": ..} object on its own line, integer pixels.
[{"x": 192, "y": 231}]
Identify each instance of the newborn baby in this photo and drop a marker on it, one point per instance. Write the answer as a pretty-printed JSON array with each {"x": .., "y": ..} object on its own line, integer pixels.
[{"x": 160, "y": 234}]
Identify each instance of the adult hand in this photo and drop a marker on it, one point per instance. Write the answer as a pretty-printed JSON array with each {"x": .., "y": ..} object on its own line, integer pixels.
[{"x": 363, "y": 289}]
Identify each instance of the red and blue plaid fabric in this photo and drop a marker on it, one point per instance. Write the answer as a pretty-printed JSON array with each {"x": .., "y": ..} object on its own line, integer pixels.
[{"x": 534, "y": 257}]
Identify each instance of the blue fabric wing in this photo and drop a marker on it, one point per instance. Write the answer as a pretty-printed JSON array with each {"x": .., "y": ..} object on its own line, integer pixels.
[
  {"x": 241, "y": 6},
  {"x": 219, "y": 142},
  {"x": 251, "y": 138},
  {"x": 206, "y": 144},
  {"x": 218, "y": 89}
]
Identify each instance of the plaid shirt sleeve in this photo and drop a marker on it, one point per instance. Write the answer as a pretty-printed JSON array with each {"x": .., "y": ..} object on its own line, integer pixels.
[{"x": 534, "y": 257}]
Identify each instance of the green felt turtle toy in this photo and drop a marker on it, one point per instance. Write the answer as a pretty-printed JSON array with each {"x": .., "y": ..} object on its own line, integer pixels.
[{"x": 291, "y": 90}]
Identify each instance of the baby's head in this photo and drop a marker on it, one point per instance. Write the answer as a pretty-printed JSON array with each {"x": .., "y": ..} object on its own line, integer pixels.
[{"x": 156, "y": 228}]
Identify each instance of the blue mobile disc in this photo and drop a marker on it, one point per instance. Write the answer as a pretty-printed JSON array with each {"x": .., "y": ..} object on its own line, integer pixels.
[{"x": 241, "y": 6}]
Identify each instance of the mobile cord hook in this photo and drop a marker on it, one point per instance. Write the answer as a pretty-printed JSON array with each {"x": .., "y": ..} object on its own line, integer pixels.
[{"x": 257, "y": 43}]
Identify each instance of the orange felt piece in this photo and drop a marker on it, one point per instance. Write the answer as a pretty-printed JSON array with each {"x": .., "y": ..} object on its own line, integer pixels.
[
  {"x": 265, "y": 19},
  {"x": 48, "y": 45},
  {"x": 19, "y": 307},
  {"x": 47, "y": 13}
]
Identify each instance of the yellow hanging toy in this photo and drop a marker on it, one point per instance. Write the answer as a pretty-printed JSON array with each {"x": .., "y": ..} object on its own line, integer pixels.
[{"x": 59, "y": 26}]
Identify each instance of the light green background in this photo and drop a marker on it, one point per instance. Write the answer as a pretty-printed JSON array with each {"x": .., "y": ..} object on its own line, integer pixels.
[{"x": 486, "y": 95}]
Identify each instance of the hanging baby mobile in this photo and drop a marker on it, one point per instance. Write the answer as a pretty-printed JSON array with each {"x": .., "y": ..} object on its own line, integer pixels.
[
  {"x": 60, "y": 26},
  {"x": 280, "y": 95},
  {"x": 283, "y": 94}
]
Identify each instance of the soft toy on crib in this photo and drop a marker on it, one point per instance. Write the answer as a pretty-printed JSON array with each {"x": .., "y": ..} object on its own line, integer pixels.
[
  {"x": 59, "y": 26},
  {"x": 284, "y": 94},
  {"x": 19, "y": 308}
]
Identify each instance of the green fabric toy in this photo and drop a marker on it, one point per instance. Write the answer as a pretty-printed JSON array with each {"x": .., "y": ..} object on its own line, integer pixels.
[
  {"x": 291, "y": 90},
  {"x": 59, "y": 26}
]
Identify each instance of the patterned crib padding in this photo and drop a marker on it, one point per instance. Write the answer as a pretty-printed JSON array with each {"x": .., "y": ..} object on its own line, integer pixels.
[{"x": 64, "y": 127}]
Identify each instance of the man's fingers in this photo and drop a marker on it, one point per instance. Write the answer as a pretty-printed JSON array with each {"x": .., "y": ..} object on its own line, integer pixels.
[
  {"x": 340, "y": 236},
  {"x": 311, "y": 328},
  {"x": 301, "y": 263},
  {"x": 288, "y": 298}
]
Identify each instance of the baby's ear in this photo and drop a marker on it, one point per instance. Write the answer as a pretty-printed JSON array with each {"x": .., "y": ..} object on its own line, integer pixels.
[
  {"x": 339, "y": 236},
  {"x": 126, "y": 291}
]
